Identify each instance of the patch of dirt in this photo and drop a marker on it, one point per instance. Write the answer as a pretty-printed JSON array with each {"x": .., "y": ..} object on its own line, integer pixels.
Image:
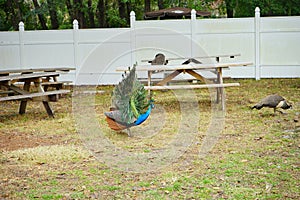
[{"x": 17, "y": 140}]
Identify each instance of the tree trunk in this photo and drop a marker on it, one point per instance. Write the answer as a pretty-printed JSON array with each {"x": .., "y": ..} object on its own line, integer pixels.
[
  {"x": 101, "y": 14},
  {"x": 160, "y": 4},
  {"x": 122, "y": 9},
  {"x": 78, "y": 12},
  {"x": 91, "y": 14},
  {"x": 53, "y": 14},
  {"x": 70, "y": 10},
  {"x": 13, "y": 13},
  {"x": 129, "y": 9},
  {"x": 40, "y": 15},
  {"x": 147, "y": 6},
  {"x": 229, "y": 8}
]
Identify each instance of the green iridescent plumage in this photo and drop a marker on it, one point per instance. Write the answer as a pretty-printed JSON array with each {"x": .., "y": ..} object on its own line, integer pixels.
[{"x": 130, "y": 98}]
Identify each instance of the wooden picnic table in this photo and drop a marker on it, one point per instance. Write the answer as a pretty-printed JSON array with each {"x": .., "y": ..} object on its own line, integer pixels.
[
  {"x": 42, "y": 79},
  {"x": 192, "y": 69}
]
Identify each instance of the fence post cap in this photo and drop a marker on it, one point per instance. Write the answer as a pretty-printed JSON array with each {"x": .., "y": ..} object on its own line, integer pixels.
[
  {"x": 132, "y": 14},
  {"x": 257, "y": 9},
  {"x": 75, "y": 24},
  {"x": 21, "y": 26},
  {"x": 193, "y": 14}
]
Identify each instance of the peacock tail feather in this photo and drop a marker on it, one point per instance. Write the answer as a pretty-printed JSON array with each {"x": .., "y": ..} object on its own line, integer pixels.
[{"x": 130, "y": 98}]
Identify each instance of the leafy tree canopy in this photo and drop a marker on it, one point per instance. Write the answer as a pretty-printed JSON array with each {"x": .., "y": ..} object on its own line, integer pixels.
[{"x": 59, "y": 14}]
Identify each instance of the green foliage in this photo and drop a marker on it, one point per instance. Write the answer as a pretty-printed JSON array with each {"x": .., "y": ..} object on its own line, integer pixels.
[
  {"x": 114, "y": 19},
  {"x": 245, "y": 8},
  {"x": 12, "y": 12},
  {"x": 199, "y": 5}
]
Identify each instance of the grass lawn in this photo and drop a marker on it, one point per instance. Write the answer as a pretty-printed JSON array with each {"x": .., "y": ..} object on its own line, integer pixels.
[{"x": 186, "y": 149}]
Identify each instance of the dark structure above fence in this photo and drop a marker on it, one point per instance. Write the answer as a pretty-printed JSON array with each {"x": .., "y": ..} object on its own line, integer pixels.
[{"x": 174, "y": 13}]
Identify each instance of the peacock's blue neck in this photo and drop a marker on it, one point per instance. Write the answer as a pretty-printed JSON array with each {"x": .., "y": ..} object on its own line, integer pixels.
[{"x": 143, "y": 116}]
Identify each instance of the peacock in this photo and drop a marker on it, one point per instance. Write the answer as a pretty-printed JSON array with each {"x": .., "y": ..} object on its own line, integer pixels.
[
  {"x": 130, "y": 105},
  {"x": 274, "y": 101}
]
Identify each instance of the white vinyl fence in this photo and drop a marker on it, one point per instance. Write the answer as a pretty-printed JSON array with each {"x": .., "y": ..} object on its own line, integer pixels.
[{"x": 271, "y": 43}]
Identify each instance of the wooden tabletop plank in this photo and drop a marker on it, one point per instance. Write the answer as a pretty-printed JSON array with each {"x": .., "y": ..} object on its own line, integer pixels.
[
  {"x": 27, "y": 76},
  {"x": 191, "y": 66},
  {"x": 31, "y": 70},
  {"x": 186, "y": 58}
]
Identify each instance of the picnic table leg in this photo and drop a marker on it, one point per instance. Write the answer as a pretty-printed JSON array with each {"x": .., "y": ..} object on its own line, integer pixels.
[
  {"x": 169, "y": 77},
  {"x": 38, "y": 85},
  {"x": 196, "y": 75},
  {"x": 220, "y": 90},
  {"x": 48, "y": 109},
  {"x": 23, "y": 103},
  {"x": 56, "y": 80},
  {"x": 149, "y": 83}
]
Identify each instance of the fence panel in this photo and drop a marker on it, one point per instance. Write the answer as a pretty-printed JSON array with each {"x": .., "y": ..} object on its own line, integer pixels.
[
  {"x": 228, "y": 36},
  {"x": 101, "y": 51},
  {"x": 9, "y": 50},
  {"x": 271, "y": 43},
  {"x": 280, "y": 47},
  {"x": 48, "y": 48}
]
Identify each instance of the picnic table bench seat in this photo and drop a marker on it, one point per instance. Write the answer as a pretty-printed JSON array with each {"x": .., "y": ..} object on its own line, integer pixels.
[
  {"x": 198, "y": 86},
  {"x": 54, "y": 84},
  {"x": 33, "y": 95}
]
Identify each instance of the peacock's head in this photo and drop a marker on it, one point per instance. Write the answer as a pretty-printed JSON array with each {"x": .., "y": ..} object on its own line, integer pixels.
[
  {"x": 286, "y": 105},
  {"x": 151, "y": 102},
  {"x": 289, "y": 105}
]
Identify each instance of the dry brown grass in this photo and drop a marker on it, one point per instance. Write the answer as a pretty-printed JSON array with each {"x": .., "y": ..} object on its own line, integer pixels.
[{"x": 256, "y": 155}]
